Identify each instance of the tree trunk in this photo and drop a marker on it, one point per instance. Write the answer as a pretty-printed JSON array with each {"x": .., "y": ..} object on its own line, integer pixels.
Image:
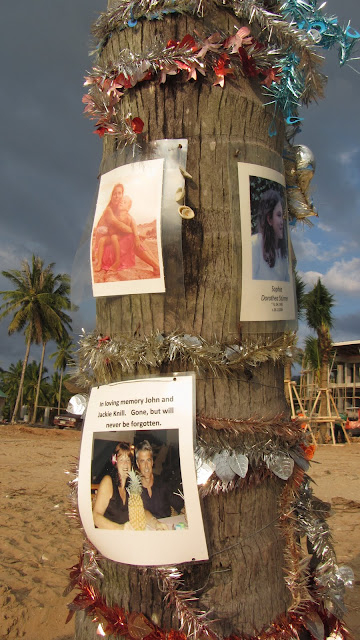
[
  {"x": 245, "y": 586},
  {"x": 323, "y": 405},
  {"x": 22, "y": 377},
  {"x": 287, "y": 378},
  {"x": 60, "y": 389},
  {"x": 39, "y": 382}
]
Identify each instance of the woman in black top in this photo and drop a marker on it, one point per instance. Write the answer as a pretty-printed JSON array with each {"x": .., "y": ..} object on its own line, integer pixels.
[
  {"x": 111, "y": 510},
  {"x": 111, "y": 505}
]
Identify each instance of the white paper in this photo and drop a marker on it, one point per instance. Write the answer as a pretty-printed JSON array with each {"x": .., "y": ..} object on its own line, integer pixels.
[
  {"x": 264, "y": 297},
  {"x": 131, "y": 410},
  {"x": 133, "y": 271}
]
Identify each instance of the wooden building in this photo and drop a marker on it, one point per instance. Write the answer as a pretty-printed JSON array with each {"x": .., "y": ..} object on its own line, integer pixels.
[{"x": 343, "y": 379}]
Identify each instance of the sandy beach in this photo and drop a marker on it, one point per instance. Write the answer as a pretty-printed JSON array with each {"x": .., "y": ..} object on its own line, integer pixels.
[{"x": 39, "y": 542}]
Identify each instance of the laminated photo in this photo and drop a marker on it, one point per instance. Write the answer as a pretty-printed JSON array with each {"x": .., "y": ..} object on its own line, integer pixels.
[
  {"x": 126, "y": 252},
  {"x": 267, "y": 275}
]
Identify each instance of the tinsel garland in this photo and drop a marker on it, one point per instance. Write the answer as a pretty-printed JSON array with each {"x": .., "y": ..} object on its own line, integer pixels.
[
  {"x": 115, "y": 621},
  {"x": 104, "y": 360},
  {"x": 317, "y": 591},
  {"x": 297, "y": 179},
  {"x": 289, "y": 430},
  {"x": 328, "y": 576},
  {"x": 321, "y": 30},
  {"x": 232, "y": 449},
  {"x": 192, "y": 621},
  {"x": 296, "y": 577},
  {"x": 305, "y": 516},
  {"x": 287, "y": 79},
  {"x": 325, "y": 31}
]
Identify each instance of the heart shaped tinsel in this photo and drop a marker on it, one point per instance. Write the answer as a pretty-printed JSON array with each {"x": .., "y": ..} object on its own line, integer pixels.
[
  {"x": 281, "y": 464},
  {"x": 239, "y": 464},
  {"x": 228, "y": 465},
  {"x": 222, "y": 466}
]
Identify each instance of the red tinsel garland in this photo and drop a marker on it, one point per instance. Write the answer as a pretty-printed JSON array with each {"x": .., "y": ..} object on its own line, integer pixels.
[
  {"x": 135, "y": 626},
  {"x": 188, "y": 55}
]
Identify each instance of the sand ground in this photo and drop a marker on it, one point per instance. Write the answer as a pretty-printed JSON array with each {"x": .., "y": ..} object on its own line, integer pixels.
[{"x": 39, "y": 542}]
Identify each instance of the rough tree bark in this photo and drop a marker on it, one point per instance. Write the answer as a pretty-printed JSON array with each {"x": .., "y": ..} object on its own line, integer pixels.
[{"x": 244, "y": 587}]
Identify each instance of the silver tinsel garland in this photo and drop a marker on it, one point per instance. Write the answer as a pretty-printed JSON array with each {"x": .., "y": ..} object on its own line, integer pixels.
[
  {"x": 230, "y": 452},
  {"x": 283, "y": 35},
  {"x": 103, "y": 359},
  {"x": 214, "y": 54},
  {"x": 290, "y": 75},
  {"x": 284, "y": 51},
  {"x": 330, "y": 579},
  {"x": 297, "y": 24},
  {"x": 301, "y": 515}
]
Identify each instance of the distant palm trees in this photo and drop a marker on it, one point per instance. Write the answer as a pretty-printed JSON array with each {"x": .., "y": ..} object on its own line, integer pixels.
[
  {"x": 63, "y": 356},
  {"x": 48, "y": 393},
  {"x": 38, "y": 302},
  {"x": 57, "y": 394},
  {"x": 10, "y": 383}
]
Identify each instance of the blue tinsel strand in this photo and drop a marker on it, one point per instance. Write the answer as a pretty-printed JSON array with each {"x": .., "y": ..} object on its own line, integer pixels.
[
  {"x": 286, "y": 95},
  {"x": 325, "y": 31}
]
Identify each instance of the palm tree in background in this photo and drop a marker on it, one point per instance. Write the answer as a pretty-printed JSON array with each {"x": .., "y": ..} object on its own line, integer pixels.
[
  {"x": 37, "y": 302},
  {"x": 311, "y": 357},
  {"x": 54, "y": 387},
  {"x": 32, "y": 390},
  {"x": 59, "y": 287},
  {"x": 63, "y": 356},
  {"x": 318, "y": 305}
]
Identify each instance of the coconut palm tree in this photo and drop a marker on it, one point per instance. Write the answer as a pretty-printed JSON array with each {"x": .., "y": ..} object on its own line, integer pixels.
[
  {"x": 32, "y": 390},
  {"x": 59, "y": 287},
  {"x": 37, "y": 302},
  {"x": 53, "y": 392},
  {"x": 311, "y": 357},
  {"x": 318, "y": 305},
  {"x": 63, "y": 356}
]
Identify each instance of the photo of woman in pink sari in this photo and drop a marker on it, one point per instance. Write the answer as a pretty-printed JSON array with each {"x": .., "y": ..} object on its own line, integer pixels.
[{"x": 116, "y": 241}]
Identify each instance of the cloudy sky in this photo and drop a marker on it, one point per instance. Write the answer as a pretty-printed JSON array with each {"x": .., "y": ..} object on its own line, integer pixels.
[{"x": 50, "y": 159}]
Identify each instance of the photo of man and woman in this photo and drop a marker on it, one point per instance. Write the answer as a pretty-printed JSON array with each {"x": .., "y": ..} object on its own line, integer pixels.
[{"x": 136, "y": 481}]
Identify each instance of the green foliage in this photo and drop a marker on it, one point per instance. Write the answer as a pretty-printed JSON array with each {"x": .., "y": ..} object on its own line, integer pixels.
[
  {"x": 37, "y": 300},
  {"x": 318, "y": 305},
  {"x": 300, "y": 295},
  {"x": 311, "y": 356},
  {"x": 38, "y": 304},
  {"x": 49, "y": 390},
  {"x": 9, "y": 382},
  {"x": 31, "y": 384},
  {"x": 64, "y": 353},
  {"x": 53, "y": 389}
]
